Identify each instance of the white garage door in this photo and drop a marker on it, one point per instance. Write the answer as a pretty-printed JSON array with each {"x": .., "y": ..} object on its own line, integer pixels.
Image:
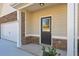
[{"x": 9, "y": 31}]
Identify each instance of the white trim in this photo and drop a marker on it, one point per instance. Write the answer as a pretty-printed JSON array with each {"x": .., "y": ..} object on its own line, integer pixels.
[
  {"x": 19, "y": 44},
  {"x": 29, "y": 4},
  {"x": 18, "y": 5},
  {"x": 56, "y": 37},
  {"x": 59, "y": 37},
  {"x": 51, "y": 29},
  {"x": 76, "y": 29},
  {"x": 14, "y": 4},
  {"x": 10, "y": 22},
  {"x": 70, "y": 29},
  {"x": 32, "y": 35},
  {"x": 40, "y": 30}
]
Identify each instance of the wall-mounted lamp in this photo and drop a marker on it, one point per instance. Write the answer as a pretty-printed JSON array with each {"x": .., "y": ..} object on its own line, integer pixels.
[{"x": 42, "y": 4}]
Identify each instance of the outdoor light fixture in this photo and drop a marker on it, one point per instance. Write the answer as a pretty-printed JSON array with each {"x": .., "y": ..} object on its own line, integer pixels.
[{"x": 42, "y": 4}]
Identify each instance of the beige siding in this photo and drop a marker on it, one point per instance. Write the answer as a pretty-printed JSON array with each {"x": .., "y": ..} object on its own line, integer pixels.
[
  {"x": 59, "y": 20},
  {"x": 28, "y": 23}
]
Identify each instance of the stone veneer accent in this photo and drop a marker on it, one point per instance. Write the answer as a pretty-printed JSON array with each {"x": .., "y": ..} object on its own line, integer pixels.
[
  {"x": 9, "y": 17},
  {"x": 57, "y": 43},
  {"x": 23, "y": 28},
  {"x": 60, "y": 44},
  {"x": 31, "y": 39}
]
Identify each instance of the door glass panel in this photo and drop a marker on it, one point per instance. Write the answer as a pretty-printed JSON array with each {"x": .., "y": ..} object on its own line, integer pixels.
[{"x": 46, "y": 24}]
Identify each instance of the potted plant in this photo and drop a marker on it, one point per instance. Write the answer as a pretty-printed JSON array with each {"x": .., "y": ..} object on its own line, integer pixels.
[{"x": 50, "y": 52}]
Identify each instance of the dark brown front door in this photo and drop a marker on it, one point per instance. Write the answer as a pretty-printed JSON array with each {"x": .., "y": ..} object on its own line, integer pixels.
[{"x": 46, "y": 30}]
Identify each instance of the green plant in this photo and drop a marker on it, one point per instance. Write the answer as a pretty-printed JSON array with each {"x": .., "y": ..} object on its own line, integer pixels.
[{"x": 50, "y": 52}]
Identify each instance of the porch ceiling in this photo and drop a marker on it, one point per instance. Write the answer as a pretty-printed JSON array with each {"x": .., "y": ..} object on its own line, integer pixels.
[
  {"x": 37, "y": 6},
  {"x": 18, "y": 5}
]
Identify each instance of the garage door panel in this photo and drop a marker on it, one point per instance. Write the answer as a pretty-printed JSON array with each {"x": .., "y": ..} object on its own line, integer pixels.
[{"x": 9, "y": 31}]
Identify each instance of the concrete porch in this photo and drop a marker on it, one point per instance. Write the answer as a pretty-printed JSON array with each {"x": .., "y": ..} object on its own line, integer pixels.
[{"x": 36, "y": 49}]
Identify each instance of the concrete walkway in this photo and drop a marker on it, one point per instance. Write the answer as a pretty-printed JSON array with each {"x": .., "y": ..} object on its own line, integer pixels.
[
  {"x": 37, "y": 49},
  {"x": 8, "y": 48}
]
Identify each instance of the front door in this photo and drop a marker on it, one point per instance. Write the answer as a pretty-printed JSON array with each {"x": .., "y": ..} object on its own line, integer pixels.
[{"x": 46, "y": 30}]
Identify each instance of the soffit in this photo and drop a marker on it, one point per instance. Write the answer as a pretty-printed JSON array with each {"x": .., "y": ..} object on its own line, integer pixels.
[
  {"x": 37, "y": 6},
  {"x": 18, "y": 5}
]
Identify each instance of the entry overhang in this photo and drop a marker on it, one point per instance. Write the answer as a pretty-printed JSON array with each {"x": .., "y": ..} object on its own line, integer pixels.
[{"x": 20, "y": 5}]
